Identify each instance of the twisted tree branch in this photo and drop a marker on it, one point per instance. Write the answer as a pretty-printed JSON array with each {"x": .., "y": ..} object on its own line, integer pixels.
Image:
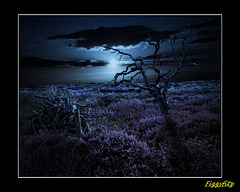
[{"x": 160, "y": 87}]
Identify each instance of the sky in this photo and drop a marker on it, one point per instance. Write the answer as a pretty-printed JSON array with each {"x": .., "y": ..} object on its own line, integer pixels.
[{"x": 47, "y": 41}]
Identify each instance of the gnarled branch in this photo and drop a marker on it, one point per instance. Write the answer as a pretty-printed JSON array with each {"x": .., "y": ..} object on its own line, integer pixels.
[{"x": 159, "y": 88}]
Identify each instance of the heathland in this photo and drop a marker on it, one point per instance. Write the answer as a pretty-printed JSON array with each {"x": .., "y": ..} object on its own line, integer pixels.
[{"x": 123, "y": 133}]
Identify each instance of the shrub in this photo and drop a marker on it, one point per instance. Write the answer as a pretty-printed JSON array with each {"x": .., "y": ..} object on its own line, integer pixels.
[
  {"x": 53, "y": 153},
  {"x": 147, "y": 128},
  {"x": 120, "y": 154},
  {"x": 105, "y": 100},
  {"x": 203, "y": 158},
  {"x": 55, "y": 111},
  {"x": 108, "y": 153},
  {"x": 202, "y": 124},
  {"x": 127, "y": 110}
]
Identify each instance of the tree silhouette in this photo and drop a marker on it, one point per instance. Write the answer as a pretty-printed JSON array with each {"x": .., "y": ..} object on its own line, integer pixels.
[{"x": 158, "y": 89}]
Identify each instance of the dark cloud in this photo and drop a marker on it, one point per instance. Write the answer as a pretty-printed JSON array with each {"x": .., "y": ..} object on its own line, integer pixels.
[
  {"x": 208, "y": 31},
  {"x": 113, "y": 36},
  {"x": 204, "y": 32},
  {"x": 132, "y": 35},
  {"x": 207, "y": 36},
  {"x": 206, "y": 39},
  {"x": 211, "y": 23}
]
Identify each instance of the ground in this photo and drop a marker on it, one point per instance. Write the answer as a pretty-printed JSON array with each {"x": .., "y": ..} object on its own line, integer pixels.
[{"x": 127, "y": 134}]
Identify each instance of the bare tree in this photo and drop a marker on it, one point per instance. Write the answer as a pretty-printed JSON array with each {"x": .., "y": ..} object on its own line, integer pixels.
[{"x": 159, "y": 88}]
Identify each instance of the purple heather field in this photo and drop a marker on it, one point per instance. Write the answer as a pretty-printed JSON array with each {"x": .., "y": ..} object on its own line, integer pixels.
[{"x": 124, "y": 133}]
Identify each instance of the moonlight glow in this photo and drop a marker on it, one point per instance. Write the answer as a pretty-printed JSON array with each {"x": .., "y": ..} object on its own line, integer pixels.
[
  {"x": 113, "y": 63},
  {"x": 114, "y": 66}
]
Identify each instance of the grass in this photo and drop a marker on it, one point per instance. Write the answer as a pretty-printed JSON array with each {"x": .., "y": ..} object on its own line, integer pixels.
[{"x": 129, "y": 136}]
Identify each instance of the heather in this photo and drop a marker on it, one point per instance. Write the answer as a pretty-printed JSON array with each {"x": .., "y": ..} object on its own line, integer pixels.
[{"x": 124, "y": 133}]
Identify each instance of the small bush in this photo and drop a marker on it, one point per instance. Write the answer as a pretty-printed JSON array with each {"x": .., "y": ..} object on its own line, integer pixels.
[
  {"x": 106, "y": 100},
  {"x": 120, "y": 154},
  {"x": 55, "y": 111},
  {"x": 109, "y": 153},
  {"x": 202, "y": 159},
  {"x": 53, "y": 153}
]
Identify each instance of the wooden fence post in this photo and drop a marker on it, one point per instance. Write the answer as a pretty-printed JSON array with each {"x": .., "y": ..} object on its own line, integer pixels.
[{"x": 78, "y": 125}]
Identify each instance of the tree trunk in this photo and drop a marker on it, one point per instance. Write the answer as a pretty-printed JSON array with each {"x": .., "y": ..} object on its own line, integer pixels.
[{"x": 163, "y": 104}]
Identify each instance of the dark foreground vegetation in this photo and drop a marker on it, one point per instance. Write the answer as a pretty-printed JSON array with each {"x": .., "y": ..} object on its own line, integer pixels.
[{"x": 123, "y": 133}]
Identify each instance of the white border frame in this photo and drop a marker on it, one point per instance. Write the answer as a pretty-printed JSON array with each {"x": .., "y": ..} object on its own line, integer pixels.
[{"x": 221, "y": 81}]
